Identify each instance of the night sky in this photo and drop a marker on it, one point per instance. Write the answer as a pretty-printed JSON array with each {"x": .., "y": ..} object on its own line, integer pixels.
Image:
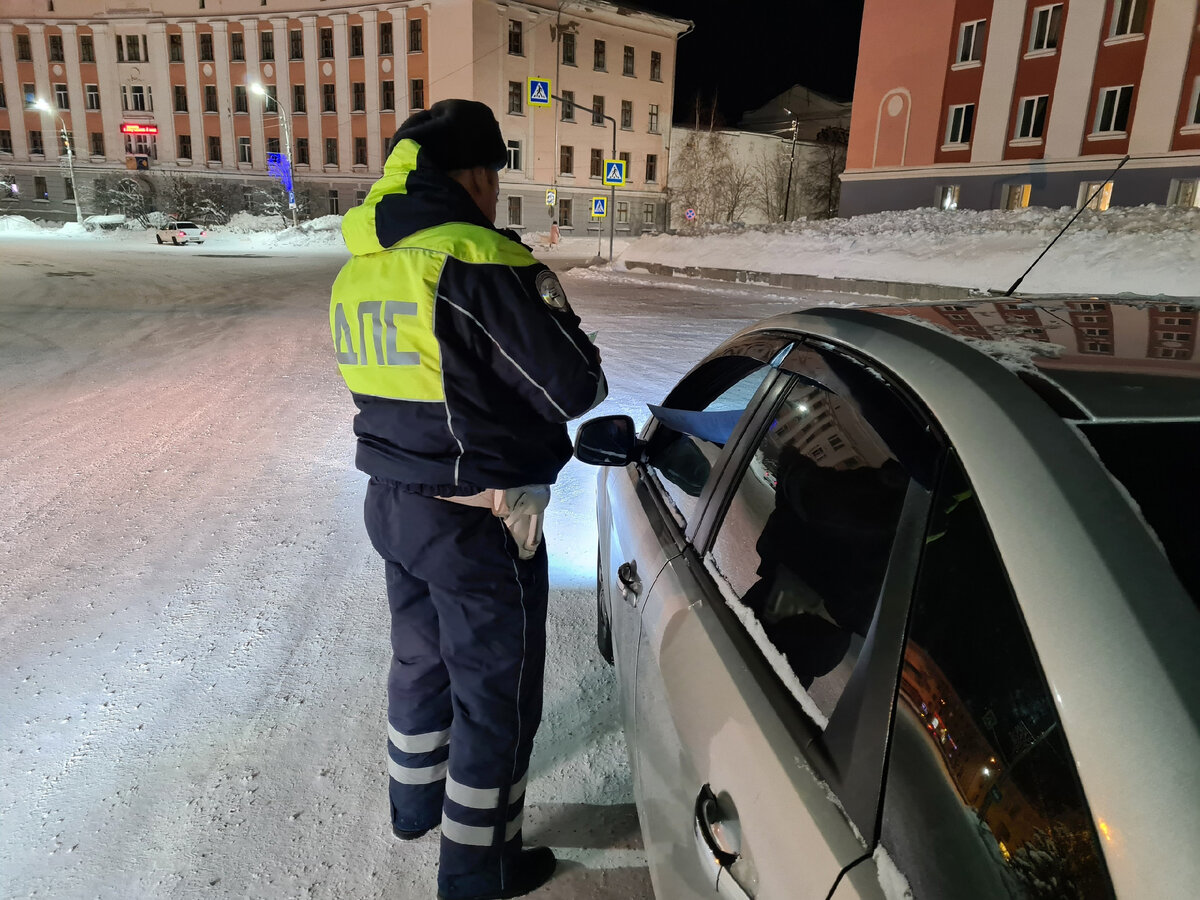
[{"x": 741, "y": 54}]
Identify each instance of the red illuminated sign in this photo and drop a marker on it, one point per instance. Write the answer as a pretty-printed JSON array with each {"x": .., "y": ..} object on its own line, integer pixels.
[{"x": 135, "y": 128}]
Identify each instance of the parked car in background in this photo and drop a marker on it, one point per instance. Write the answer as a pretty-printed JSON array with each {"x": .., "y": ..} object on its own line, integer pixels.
[
  {"x": 907, "y": 599},
  {"x": 180, "y": 232}
]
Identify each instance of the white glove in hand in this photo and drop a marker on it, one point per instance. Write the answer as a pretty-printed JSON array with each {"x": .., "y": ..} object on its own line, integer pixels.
[{"x": 523, "y": 511}]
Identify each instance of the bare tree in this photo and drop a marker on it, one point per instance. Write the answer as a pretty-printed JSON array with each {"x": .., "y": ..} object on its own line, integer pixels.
[
  {"x": 820, "y": 186},
  {"x": 706, "y": 177},
  {"x": 770, "y": 174}
]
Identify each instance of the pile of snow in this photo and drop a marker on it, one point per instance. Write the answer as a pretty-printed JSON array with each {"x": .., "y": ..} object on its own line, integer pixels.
[
  {"x": 74, "y": 229},
  {"x": 18, "y": 225},
  {"x": 1146, "y": 249},
  {"x": 248, "y": 223},
  {"x": 325, "y": 231}
]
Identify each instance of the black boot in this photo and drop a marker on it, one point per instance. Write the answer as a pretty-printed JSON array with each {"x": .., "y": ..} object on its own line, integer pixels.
[
  {"x": 409, "y": 835},
  {"x": 534, "y": 868}
]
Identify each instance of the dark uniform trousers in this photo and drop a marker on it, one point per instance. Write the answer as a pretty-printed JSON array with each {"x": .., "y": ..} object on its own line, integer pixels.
[{"x": 465, "y": 684}]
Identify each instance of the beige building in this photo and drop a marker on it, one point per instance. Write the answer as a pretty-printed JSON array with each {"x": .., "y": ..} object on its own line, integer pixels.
[{"x": 151, "y": 87}]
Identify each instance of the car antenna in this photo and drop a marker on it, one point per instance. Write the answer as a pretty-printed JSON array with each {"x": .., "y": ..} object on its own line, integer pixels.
[{"x": 1017, "y": 283}]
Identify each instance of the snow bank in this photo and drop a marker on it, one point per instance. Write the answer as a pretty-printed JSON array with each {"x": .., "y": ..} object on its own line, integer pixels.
[
  {"x": 248, "y": 223},
  {"x": 18, "y": 225},
  {"x": 325, "y": 231},
  {"x": 1145, "y": 250}
]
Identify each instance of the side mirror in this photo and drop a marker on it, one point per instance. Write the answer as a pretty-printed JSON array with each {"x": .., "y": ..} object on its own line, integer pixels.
[{"x": 607, "y": 441}]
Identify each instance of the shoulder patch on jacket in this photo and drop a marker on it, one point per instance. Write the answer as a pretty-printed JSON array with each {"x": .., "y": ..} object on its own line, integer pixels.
[{"x": 551, "y": 290}]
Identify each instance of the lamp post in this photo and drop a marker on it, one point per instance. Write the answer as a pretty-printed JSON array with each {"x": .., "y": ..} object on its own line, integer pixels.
[
  {"x": 612, "y": 203},
  {"x": 787, "y": 196},
  {"x": 257, "y": 88},
  {"x": 46, "y": 107}
]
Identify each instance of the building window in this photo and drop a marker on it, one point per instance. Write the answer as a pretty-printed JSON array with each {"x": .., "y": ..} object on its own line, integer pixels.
[
  {"x": 387, "y": 95},
  {"x": 970, "y": 41},
  {"x": 136, "y": 98},
  {"x": 25, "y": 49},
  {"x": 302, "y": 151},
  {"x": 272, "y": 145},
  {"x": 1195, "y": 117},
  {"x": 597, "y": 109},
  {"x": 568, "y": 49},
  {"x": 647, "y": 213},
  {"x": 1112, "y": 110},
  {"x": 514, "y": 155},
  {"x": 1031, "y": 117},
  {"x": 651, "y": 168},
  {"x": 622, "y": 212},
  {"x": 1184, "y": 192},
  {"x": 1043, "y": 35},
  {"x": 417, "y": 92},
  {"x": 627, "y": 67},
  {"x": 1096, "y": 194},
  {"x": 180, "y": 92},
  {"x": 1129, "y": 17},
  {"x": 35, "y": 143},
  {"x": 91, "y": 93},
  {"x": 214, "y": 148},
  {"x": 360, "y": 151},
  {"x": 568, "y": 106},
  {"x": 56, "y": 48},
  {"x": 244, "y": 149},
  {"x": 597, "y": 166},
  {"x": 97, "y": 143},
  {"x": 328, "y": 98},
  {"x": 326, "y": 43},
  {"x": 6, "y": 145},
  {"x": 240, "y": 99},
  {"x": 627, "y": 114},
  {"x": 331, "y": 156},
  {"x": 133, "y": 48},
  {"x": 210, "y": 98},
  {"x": 385, "y": 39},
  {"x": 40, "y": 191},
  {"x": 654, "y": 118},
  {"x": 655, "y": 66},
  {"x": 514, "y": 210},
  {"x": 1016, "y": 196},
  {"x": 566, "y": 160},
  {"x": 516, "y": 38},
  {"x": 237, "y": 46},
  {"x": 625, "y": 158},
  {"x": 61, "y": 97},
  {"x": 356, "y": 40},
  {"x": 335, "y": 206},
  {"x": 564, "y": 213},
  {"x": 360, "y": 197},
  {"x": 358, "y": 95},
  {"x": 206, "y": 48},
  {"x": 598, "y": 60},
  {"x": 514, "y": 98},
  {"x": 296, "y": 44},
  {"x": 299, "y": 104},
  {"x": 415, "y": 38},
  {"x": 87, "y": 49},
  {"x": 958, "y": 124},
  {"x": 266, "y": 45}
]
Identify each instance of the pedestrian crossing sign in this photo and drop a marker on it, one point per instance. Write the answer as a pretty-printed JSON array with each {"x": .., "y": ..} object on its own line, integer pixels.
[
  {"x": 599, "y": 207},
  {"x": 539, "y": 92},
  {"x": 614, "y": 172}
]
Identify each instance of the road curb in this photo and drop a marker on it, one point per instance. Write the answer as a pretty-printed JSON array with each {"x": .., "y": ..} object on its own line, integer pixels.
[{"x": 901, "y": 290}]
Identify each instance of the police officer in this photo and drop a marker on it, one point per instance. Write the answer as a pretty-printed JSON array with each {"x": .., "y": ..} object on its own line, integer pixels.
[{"x": 465, "y": 361}]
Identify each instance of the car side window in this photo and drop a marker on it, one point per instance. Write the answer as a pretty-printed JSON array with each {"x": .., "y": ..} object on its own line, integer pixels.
[
  {"x": 982, "y": 797},
  {"x": 805, "y": 543},
  {"x": 695, "y": 422}
]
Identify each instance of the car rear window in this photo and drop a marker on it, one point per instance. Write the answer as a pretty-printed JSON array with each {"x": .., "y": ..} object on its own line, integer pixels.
[
  {"x": 1156, "y": 463},
  {"x": 185, "y": 225}
]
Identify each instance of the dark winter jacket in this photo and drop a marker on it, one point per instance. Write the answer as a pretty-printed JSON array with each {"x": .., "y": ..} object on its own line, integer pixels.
[{"x": 458, "y": 347}]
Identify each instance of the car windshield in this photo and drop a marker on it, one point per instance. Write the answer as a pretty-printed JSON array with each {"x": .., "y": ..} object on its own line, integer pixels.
[{"x": 1156, "y": 462}]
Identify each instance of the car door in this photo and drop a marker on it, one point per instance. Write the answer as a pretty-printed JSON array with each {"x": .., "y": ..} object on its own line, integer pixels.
[
  {"x": 982, "y": 797},
  {"x": 769, "y": 647},
  {"x": 644, "y": 518}
]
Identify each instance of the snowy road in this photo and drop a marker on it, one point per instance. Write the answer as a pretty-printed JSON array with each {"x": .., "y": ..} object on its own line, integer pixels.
[{"x": 192, "y": 622}]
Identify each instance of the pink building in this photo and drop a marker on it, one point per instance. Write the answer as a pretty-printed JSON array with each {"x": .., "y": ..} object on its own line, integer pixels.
[{"x": 987, "y": 104}]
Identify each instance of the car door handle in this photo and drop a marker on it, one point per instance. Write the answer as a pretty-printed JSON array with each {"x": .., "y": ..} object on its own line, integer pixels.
[
  {"x": 718, "y": 842},
  {"x": 629, "y": 581}
]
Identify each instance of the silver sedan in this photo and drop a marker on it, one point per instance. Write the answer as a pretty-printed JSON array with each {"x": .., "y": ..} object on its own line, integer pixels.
[{"x": 904, "y": 602}]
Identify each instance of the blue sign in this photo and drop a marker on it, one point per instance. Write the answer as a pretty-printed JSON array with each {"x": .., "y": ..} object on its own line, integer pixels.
[
  {"x": 599, "y": 207},
  {"x": 614, "y": 172},
  {"x": 539, "y": 92},
  {"x": 277, "y": 167}
]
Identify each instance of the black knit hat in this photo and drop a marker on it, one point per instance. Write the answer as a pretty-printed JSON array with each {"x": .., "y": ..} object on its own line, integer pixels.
[{"x": 456, "y": 134}]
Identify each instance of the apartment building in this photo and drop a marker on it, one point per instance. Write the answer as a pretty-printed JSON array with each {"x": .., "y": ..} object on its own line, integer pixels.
[
  {"x": 210, "y": 88},
  {"x": 987, "y": 104}
]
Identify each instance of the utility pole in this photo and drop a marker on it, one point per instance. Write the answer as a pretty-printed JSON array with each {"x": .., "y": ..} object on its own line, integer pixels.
[
  {"x": 66, "y": 136},
  {"x": 612, "y": 203},
  {"x": 257, "y": 88},
  {"x": 787, "y": 196}
]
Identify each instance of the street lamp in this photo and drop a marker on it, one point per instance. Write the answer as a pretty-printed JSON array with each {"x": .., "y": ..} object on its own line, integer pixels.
[
  {"x": 46, "y": 107},
  {"x": 787, "y": 196},
  {"x": 612, "y": 202},
  {"x": 257, "y": 88}
]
